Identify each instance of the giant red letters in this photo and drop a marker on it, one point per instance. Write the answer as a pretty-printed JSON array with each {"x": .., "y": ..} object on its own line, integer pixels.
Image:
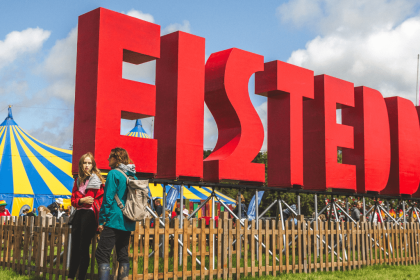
[
  {"x": 241, "y": 133},
  {"x": 103, "y": 97},
  {"x": 372, "y": 151},
  {"x": 380, "y": 138},
  {"x": 285, "y": 85},
  {"x": 180, "y": 106},
  {"x": 322, "y": 136},
  {"x": 404, "y": 176}
]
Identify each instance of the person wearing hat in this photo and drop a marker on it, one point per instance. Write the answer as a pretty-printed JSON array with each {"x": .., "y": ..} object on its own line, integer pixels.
[
  {"x": 55, "y": 206},
  {"x": 185, "y": 213},
  {"x": 3, "y": 211}
]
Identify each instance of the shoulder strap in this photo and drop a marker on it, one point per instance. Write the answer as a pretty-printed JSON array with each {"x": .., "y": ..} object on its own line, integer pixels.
[
  {"x": 116, "y": 196},
  {"x": 122, "y": 172}
]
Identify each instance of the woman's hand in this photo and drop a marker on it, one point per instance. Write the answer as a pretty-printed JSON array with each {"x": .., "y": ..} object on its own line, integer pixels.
[
  {"x": 87, "y": 200},
  {"x": 100, "y": 228}
]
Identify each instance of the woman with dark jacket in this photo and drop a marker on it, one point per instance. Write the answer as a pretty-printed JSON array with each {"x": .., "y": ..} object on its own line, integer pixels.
[
  {"x": 115, "y": 228},
  {"x": 86, "y": 197}
]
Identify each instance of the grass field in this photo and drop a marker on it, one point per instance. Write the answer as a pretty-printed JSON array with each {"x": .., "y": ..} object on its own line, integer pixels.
[{"x": 382, "y": 272}]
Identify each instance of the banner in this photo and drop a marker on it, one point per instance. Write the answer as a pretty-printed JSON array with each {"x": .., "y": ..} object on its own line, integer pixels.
[
  {"x": 251, "y": 208},
  {"x": 172, "y": 196}
]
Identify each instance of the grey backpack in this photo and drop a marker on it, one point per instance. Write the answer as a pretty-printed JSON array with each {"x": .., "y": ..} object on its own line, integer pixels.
[{"x": 135, "y": 205}]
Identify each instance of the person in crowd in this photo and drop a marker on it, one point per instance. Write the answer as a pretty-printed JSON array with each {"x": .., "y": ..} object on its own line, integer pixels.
[
  {"x": 24, "y": 212},
  {"x": 87, "y": 195},
  {"x": 158, "y": 207},
  {"x": 355, "y": 211},
  {"x": 46, "y": 210},
  {"x": 66, "y": 213},
  {"x": 3, "y": 211},
  {"x": 115, "y": 228},
  {"x": 55, "y": 207},
  {"x": 185, "y": 213},
  {"x": 31, "y": 213},
  {"x": 287, "y": 212},
  {"x": 244, "y": 209}
]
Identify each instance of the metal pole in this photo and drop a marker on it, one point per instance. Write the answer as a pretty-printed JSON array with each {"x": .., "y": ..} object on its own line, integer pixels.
[
  {"x": 339, "y": 227},
  {"x": 404, "y": 218},
  {"x": 199, "y": 207},
  {"x": 163, "y": 216},
  {"x": 256, "y": 220},
  {"x": 298, "y": 204},
  {"x": 69, "y": 247},
  {"x": 282, "y": 222},
  {"x": 239, "y": 224},
  {"x": 181, "y": 220},
  {"x": 181, "y": 244},
  {"x": 316, "y": 222},
  {"x": 347, "y": 205},
  {"x": 364, "y": 207},
  {"x": 212, "y": 236}
]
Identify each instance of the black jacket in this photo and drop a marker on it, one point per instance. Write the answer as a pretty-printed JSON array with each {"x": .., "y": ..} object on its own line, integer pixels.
[{"x": 53, "y": 207}]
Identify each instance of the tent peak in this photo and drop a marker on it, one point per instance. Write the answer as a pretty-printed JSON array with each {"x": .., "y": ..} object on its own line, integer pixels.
[
  {"x": 138, "y": 123},
  {"x": 9, "y": 115}
]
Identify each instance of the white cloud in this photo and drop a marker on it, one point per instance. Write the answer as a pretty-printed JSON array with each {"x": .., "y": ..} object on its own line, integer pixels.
[
  {"x": 185, "y": 26},
  {"x": 141, "y": 15},
  {"x": 210, "y": 129},
  {"x": 359, "y": 16},
  {"x": 262, "y": 112},
  {"x": 370, "y": 43},
  {"x": 59, "y": 68},
  {"x": 18, "y": 43}
]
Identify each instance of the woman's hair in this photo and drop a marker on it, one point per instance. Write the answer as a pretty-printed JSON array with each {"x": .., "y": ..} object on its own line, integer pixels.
[
  {"x": 43, "y": 208},
  {"x": 121, "y": 156},
  {"x": 82, "y": 174}
]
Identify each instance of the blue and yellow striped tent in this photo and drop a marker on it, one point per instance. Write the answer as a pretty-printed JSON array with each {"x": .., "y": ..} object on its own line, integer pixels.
[
  {"x": 138, "y": 130},
  {"x": 32, "y": 173},
  {"x": 193, "y": 193}
]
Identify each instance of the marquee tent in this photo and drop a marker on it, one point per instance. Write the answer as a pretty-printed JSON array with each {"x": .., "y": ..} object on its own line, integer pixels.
[
  {"x": 194, "y": 193},
  {"x": 138, "y": 130},
  {"x": 32, "y": 173}
]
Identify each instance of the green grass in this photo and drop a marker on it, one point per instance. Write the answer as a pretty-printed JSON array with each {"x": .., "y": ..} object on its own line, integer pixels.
[
  {"x": 380, "y": 272},
  {"x": 11, "y": 275}
]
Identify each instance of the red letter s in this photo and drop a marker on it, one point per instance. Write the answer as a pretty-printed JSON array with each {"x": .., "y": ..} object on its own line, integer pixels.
[{"x": 241, "y": 133}]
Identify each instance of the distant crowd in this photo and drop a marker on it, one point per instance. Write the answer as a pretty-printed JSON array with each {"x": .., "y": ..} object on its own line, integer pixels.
[{"x": 56, "y": 209}]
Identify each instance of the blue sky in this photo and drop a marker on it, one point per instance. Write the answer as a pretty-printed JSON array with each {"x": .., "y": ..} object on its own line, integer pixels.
[{"x": 373, "y": 43}]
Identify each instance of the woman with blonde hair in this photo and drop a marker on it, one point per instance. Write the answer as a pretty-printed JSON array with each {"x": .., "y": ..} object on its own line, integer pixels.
[{"x": 86, "y": 197}]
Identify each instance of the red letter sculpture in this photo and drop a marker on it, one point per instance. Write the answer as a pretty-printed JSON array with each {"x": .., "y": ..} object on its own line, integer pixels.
[
  {"x": 103, "y": 97},
  {"x": 286, "y": 86},
  {"x": 372, "y": 149},
  {"x": 322, "y": 136},
  {"x": 404, "y": 176},
  {"x": 241, "y": 133},
  {"x": 179, "y": 117}
]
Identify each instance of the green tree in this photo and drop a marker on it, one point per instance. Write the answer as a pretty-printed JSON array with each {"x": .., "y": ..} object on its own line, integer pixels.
[{"x": 306, "y": 200}]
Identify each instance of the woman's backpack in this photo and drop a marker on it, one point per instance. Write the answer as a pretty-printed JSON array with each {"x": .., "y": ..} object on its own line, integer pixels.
[{"x": 135, "y": 205}]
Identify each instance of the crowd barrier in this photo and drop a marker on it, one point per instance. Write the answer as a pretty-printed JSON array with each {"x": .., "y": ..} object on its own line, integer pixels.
[{"x": 40, "y": 246}]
